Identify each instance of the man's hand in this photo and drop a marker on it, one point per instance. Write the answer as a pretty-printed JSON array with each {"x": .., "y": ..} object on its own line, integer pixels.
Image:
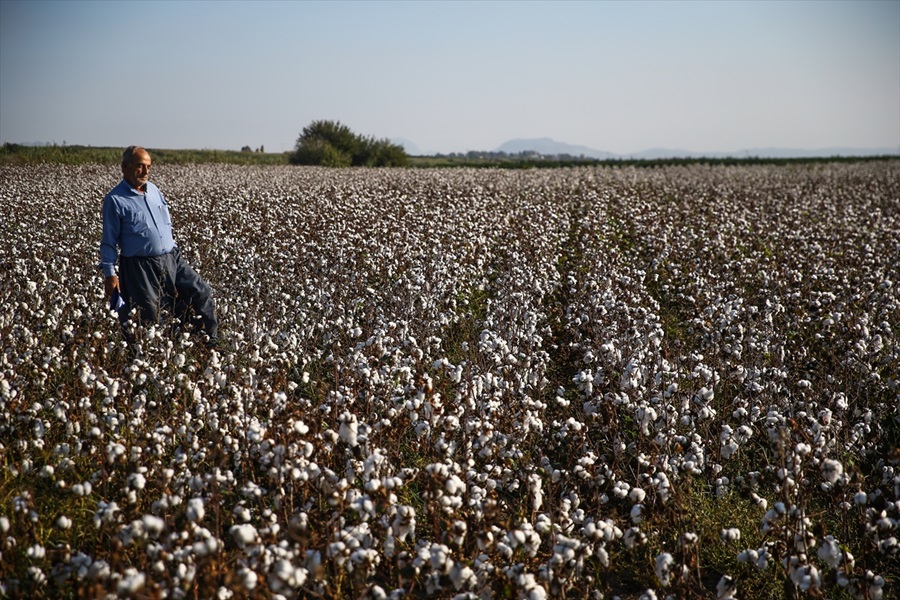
[{"x": 110, "y": 285}]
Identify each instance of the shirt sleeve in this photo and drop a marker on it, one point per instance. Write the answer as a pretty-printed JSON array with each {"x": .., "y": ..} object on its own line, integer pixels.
[{"x": 109, "y": 241}]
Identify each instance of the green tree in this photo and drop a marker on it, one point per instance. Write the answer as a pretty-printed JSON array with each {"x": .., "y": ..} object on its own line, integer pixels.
[{"x": 332, "y": 144}]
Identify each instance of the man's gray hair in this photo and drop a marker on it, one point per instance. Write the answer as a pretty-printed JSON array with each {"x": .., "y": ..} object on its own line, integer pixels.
[{"x": 129, "y": 153}]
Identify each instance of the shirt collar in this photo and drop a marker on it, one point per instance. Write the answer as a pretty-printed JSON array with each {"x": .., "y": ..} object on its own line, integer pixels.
[{"x": 134, "y": 189}]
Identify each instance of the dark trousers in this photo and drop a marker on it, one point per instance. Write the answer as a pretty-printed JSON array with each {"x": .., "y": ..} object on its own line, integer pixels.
[{"x": 148, "y": 283}]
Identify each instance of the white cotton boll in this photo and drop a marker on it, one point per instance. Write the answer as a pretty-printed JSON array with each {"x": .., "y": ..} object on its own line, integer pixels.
[
  {"x": 534, "y": 486},
  {"x": 832, "y": 470},
  {"x": 461, "y": 576},
  {"x": 137, "y": 481},
  {"x": 36, "y": 552},
  {"x": 504, "y": 550},
  {"x": 806, "y": 577},
  {"x": 664, "y": 564},
  {"x": 726, "y": 588},
  {"x": 244, "y": 534},
  {"x": 206, "y": 547},
  {"x": 731, "y": 534},
  {"x": 543, "y": 525},
  {"x": 82, "y": 489},
  {"x": 153, "y": 525},
  {"x": 285, "y": 575},
  {"x": 404, "y": 523},
  {"x": 242, "y": 513},
  {"x": 842, "y": 579},
  {"x": 135, "y": 531},
  {"x": 114, "y": 451},
  {"x": 389, "y": 545},
  {"x": 348, "y": 430},
  {"x": 830, "y": 553},
  {"x": 637, "y": 514},
  {"x": 63, "y": 522},
  {"x": 841, "y": 402},
  {"x": 440, "y": 559},
  {"x": 620, "y": 489},
  {"x": 132, "y": 582},
  {"x": 729, "y": 449},
  {"x": 454, "y": 485},
  {"x": 602, "y": 555},
  {"x": 99, "y": 570},
  {"x": 517, "y": 537},
  {"x": 637, "y": 495},
  {"x": 195, "y": 510},
  {"x": 634, "y": 537},
  {"x": 105, "y": 514},
  {"x": 860, "y": 498}
]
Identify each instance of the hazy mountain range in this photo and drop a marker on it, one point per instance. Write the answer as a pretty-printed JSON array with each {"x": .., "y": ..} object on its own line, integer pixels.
[{"x": 550, "y": 147}]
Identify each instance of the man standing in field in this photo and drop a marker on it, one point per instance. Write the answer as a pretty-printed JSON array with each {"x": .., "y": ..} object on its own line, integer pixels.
[{"x": 137, "y": 231}]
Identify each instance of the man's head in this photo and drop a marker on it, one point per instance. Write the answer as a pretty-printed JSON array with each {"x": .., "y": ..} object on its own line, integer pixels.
[{"x": 136, "y": 166}]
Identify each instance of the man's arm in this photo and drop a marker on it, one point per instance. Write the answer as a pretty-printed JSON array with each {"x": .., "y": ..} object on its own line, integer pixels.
[{"x": 109, "y": 242}]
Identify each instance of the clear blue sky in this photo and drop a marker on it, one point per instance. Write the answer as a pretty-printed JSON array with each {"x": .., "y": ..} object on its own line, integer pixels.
[{"x": 453, "y": 76}]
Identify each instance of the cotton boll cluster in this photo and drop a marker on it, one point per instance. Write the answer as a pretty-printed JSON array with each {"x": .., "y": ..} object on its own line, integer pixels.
[
  {"x": 459, "y": 382},
  {"x": 665, "y": 562}
]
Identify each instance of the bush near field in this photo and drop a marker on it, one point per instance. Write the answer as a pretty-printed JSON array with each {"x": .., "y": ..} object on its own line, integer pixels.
[
  {"x": 468, "y": 383},
  {"x": 333, "y": 144}
]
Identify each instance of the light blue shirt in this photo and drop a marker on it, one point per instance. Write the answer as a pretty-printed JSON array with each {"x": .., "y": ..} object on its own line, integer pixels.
[{"x": 134, "y": 224}]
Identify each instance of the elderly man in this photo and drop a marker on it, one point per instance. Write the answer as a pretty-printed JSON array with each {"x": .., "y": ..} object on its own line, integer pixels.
[{"x": 137, "y": 230}]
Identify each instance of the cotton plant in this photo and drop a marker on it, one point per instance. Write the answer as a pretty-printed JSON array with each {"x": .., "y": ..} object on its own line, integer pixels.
[{"x": 463, "y": 378}]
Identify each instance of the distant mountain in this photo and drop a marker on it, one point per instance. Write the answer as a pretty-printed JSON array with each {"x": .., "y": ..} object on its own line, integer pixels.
[
  {"x": 408, "y": 146},
  {"x": 551, "y": 147}
]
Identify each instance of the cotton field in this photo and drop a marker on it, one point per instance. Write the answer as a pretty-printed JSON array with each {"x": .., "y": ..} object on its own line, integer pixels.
[{"x": 585, "y": 383}]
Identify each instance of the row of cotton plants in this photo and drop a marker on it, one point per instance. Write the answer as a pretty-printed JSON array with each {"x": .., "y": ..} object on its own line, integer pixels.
[
  {"x": 758, "y": 321},
  {"x": 592, "y": 382}
]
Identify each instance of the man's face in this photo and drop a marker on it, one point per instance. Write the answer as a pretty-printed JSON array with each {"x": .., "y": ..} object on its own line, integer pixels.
[{"x": 137, "y": 172}]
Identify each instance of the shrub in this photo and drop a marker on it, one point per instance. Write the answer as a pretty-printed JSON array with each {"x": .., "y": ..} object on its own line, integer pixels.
[{"x": 332, "y": 144}]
